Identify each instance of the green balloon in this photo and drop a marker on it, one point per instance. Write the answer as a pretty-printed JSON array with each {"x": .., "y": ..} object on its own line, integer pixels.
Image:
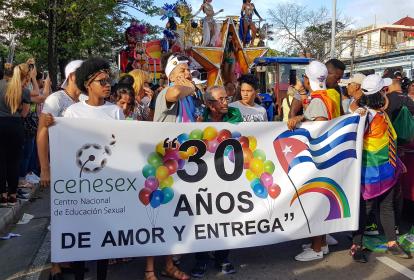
[
  {"x": 269, "y": 166},
  {"x": 259, "y": 154},
  {"x": 155, "y": 160},
  {"x": 196, "y": 134},
  {"x": 148, "y": 171}
]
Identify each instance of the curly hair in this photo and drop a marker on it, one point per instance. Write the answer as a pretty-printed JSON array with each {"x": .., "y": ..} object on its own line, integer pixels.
[
  {"x": 89, "y": 69},
  {"x": 250, "y": 80},
  {"x": 374, "y": 101}
]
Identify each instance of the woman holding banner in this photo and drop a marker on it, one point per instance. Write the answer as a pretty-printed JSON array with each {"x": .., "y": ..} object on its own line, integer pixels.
[{"x": 381, "y": 168}]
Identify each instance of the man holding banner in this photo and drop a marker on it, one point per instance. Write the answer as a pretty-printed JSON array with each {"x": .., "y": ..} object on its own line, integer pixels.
[{"x": 218, "y": 110}]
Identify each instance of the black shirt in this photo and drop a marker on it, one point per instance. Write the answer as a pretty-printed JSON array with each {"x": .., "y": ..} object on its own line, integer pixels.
[
  {"x": 4, "y": 108},
  {"x": 396, "y": 101}
]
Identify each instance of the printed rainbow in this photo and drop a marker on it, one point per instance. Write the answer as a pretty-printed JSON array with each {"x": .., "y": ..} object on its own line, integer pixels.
[{"x": 339, "y": 205}]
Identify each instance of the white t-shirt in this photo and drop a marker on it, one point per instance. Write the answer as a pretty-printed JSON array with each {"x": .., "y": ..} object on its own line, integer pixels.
[
  {"x": 251, "y": 114},
  {"x": 57, "y": 103},
  {"x": 108, "y": 111}
]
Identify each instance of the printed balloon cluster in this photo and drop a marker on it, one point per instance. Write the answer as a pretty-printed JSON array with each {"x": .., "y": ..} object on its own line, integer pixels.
[{"x": 163, "y": 163}]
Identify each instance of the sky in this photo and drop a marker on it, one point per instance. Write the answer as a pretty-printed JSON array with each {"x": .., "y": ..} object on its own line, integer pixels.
[{"x": 363, "y": 12}]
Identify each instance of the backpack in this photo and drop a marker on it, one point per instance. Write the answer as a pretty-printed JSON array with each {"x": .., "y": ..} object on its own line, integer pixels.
[{"x": 404, "y": 126}]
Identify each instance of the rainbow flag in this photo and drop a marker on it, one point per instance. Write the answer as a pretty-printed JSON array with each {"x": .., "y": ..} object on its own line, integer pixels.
[
  {"x": 330, "y": 101},
  {"x": 379, "y": 158}
]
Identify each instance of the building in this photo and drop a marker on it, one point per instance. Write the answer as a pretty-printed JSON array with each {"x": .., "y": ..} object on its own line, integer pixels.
[{"x": 376, "y": 47}]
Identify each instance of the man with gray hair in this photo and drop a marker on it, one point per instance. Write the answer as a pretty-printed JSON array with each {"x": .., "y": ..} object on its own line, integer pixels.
[{"x": 218, "y": 109}]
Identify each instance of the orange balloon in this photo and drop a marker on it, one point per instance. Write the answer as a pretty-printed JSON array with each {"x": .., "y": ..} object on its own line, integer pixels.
[
  {"x": 247, "y": 157},
  {"x": 184, "y": 155},
  {"x": 192, "y": 151}
]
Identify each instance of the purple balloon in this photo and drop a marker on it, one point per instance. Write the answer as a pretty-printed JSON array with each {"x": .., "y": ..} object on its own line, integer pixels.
[
  {"x": 152, "y": 183},
  {"x": 266, "y": 179},
  {"x": 231, "y": 156},
  {"x": 212, "y": 146},
  {"x": 181, "y": 164}
]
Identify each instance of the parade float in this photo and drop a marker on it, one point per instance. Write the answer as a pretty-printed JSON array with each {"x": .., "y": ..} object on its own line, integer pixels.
[{"x": 215, "y": 45}]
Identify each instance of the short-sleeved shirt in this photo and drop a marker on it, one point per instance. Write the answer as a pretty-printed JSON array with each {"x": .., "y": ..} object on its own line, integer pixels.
[
  {"x": 254, "y": 113},
  {"x": 108, "y": 111},
  {"x": 57, "y": 103},
  {"x": 316, "y": 109},
  {"x": 396, "y": 101},
  {"x": 165, "y": 111},
  {"x": 4, "y": 108}
]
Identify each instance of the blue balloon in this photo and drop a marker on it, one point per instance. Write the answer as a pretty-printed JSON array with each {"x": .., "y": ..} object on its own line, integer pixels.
[
  {"x": 156, "y": 198},
  {"x": 183, "y": 137},
  {"x": 260, "y": 191},
  {"x": 255, "y": 182},
  {"x": 227, "y": 150},
  {"x": 168, "y": 195},
  {"x": 235, "y": 135}
]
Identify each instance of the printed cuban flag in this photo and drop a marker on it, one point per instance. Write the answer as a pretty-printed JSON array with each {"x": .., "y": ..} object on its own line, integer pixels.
[
  {"x": 298, "y": 146},
  {"x": 326, "y": 153}
]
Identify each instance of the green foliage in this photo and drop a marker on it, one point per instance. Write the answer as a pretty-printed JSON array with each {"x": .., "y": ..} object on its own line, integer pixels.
[{"x": 84, "y": 27}]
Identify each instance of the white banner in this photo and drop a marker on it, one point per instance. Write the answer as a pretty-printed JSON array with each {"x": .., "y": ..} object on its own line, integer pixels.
[{"x": 126, "y": 189}]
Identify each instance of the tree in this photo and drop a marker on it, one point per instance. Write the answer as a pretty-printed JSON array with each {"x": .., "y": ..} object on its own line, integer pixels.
[
  {"x": 304, "y": 31},
  {"x": 56, "y": 31}
]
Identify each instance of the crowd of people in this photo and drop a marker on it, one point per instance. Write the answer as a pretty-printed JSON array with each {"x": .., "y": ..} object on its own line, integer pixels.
[{"x": 28, "y": 108}]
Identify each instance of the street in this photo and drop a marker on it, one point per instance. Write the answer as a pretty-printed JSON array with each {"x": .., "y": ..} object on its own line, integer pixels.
[{"x": 28, "y": 256}]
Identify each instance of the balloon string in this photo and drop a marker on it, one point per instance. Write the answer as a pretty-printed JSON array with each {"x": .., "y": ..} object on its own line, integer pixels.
[{"x": 156, "y": 217}]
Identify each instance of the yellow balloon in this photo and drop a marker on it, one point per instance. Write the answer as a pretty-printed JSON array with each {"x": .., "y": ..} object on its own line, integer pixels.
[
  {"x": 162, "y": 173},
  {"x": 168, "y": 182},
  {"x": 210, "y": 133},
  {"x": 184, "y": 155},
  {"x": 256, "y": 166},
  {"x": 250, "y": 175},
  {"x": 160, "y": 148},
  {"x": 252, "y": 143}
]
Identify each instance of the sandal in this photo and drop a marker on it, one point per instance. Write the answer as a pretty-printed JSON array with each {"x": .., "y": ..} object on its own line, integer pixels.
[
  {"x": 358, "y": 254},
  {"x": 174, "y": 273},
  {"x": 150, "y": 275}
]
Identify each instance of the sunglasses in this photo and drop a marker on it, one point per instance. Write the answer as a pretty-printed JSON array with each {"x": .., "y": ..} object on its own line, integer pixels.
[{"x": 103, "y": 82}]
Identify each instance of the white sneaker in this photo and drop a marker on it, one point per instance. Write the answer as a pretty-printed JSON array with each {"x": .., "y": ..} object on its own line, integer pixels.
[
  {"x": 330, "y": 240},
  {"x": 325, "y": 249},
  {"x": 309, "y": 255}
]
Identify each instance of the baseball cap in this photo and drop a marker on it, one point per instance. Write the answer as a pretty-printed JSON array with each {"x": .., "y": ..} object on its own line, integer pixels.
[
  {"x": 173, "y": 62},
  {"x": 374, "y": 83},
  {"x": 69, "y": 69},
  {"x": 317, "y": 74},
  {"x": 356, "y": 78}
]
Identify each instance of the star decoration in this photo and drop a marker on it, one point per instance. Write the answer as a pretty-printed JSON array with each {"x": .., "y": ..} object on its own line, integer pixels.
[{"x": 211, "y": 58}]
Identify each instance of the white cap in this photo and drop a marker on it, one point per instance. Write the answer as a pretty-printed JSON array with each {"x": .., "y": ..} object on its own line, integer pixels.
[
  {"x": 172, "y": 63},
  {"x": 374, "y": 83},
  {"x": 317, "y": 74},
  {"x": 195, "y": 74},
  {"x": 69, "y": 69},
  {"x": 356, "y": 78}
]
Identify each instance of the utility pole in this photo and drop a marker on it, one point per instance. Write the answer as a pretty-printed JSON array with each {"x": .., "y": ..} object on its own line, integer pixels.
[
  {"x": 352, "y": 52},
  {"x": 333, "y": 29}
]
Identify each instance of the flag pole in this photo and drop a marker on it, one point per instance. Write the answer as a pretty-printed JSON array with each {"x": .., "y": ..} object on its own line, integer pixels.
[{"x": 300, "y": 202}]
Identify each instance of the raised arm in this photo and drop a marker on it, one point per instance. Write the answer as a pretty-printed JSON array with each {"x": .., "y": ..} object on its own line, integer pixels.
[
  {"x": 256, "y": 12},
  {"x": 181, "y": 89}
]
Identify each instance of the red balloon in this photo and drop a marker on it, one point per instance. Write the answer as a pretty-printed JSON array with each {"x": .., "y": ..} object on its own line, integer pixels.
[
  {"x": 144, "y": 196},
  {"x": 274, "y": 191},
  {"x": 223, "y": 135},
  {"x": 172, "y": 166},
  {"x": 244, "y": 141}
]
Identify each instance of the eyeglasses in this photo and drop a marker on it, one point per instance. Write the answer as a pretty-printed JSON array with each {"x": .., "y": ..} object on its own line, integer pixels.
[
  {"x": 103, "y": 82},
  {"x": 222, "y": 100}
]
